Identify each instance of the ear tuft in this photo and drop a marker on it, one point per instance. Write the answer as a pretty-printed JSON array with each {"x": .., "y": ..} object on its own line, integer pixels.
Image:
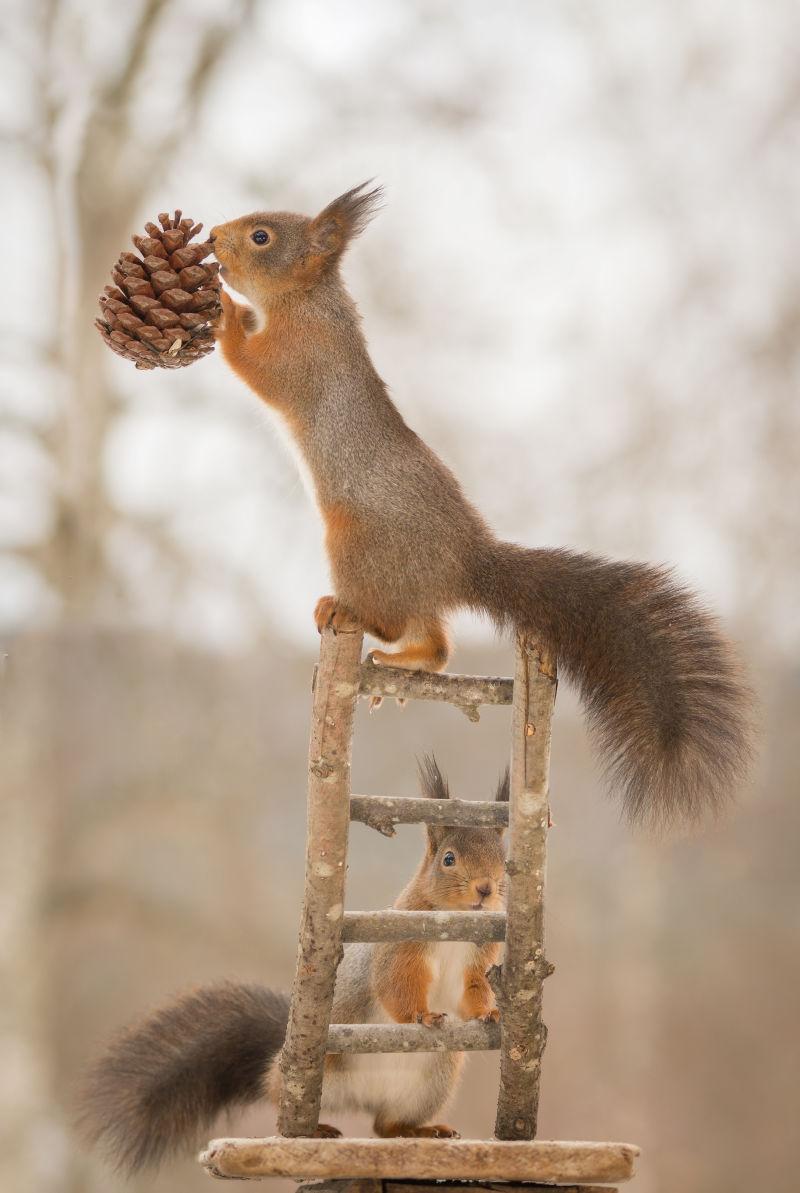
[
  {"x": 432, "y": 781},
  {"x": 345, "y": 218},
  {"x": 504, "y": 787}
]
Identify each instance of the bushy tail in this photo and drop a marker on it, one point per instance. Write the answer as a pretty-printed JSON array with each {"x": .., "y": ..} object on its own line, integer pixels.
[
  {"x": 661, "y": 686},
  {"x": 163, "y": 1081}
]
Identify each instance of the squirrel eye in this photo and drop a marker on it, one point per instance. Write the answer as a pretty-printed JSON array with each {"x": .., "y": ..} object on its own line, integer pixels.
[
  {"x": 260, "y": 237},
  {"x": 449, "y": 858}
]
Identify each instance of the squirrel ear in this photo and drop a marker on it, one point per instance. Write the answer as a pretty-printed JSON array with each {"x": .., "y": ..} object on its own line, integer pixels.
[
  {"x": 345, "y": 218},
  {"x": 434, "y": 786},
  {"x": 432, "y": 781}
]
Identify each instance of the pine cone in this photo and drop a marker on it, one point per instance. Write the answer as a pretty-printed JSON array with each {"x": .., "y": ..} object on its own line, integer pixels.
[{"x": 163, "y": 309}]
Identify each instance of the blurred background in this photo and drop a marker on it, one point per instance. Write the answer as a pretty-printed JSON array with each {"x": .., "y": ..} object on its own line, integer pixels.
[{"x": 584, "y": 292}]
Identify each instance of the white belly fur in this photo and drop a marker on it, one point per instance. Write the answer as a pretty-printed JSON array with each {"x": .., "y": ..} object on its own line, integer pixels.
[
  {"x": 277, "y": 424},
  {"x": 397, "y": 1083}
]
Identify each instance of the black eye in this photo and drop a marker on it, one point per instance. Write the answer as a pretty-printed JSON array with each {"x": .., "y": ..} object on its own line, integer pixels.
[
  {"x": 449, "y": 858},
  {"x": 260, "y": 237}
]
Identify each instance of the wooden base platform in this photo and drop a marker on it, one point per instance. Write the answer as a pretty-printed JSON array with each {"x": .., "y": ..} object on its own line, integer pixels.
[
  {"x": 366, "y": 1184},
  {"x": 420, "y": 1159}
]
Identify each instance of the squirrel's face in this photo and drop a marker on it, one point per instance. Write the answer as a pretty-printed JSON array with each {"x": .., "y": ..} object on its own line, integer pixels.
[
  {"x": 463, "y": 868},
  {"x": 270, "y": 253},
  {"x": 466, "y": 868},
  {"x": 264, "y": 254}
]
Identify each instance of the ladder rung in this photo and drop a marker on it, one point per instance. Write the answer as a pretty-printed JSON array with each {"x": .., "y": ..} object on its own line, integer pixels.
[
  {"x": 466, "y": 691},
  {"x": 454, "y": 1035},
  {"x": 478, "y": 926},
  {"x": 383, "y": 812}
]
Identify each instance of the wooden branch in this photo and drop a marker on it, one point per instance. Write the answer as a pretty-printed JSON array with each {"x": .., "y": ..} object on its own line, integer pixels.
[
  {"x": 319, "y": 950},
  {"x": 523, "y": 1034},
  {"x": 454, "y": 1035},
  {"x": 478, "y": 926},
  {"x": 421, "y": 1159},
  {"x": 383, "y": 812},
  {"x": 478, "y": 1186},
  {"x": 466, "y": 692}
]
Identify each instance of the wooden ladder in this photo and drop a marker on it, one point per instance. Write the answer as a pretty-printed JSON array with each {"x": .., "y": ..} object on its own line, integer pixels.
[{"x": 512, "y": 1155}]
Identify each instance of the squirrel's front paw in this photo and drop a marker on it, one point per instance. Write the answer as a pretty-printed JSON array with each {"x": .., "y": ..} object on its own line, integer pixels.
[
  {"x": 492, "y": 1016},
  {"x": 228, "y": 322},
  {"x": 237, "y": 320},
  {"x": 431, "y": 1018}
]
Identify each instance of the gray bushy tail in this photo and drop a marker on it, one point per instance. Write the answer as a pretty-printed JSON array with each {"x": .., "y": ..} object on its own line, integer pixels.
[
  {"x": 162, "y": 1082},
  {"x": 662, "y": 689}
]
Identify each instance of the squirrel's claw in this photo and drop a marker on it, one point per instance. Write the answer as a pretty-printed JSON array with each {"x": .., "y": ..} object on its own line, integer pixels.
[
  {"x": 442, "y": 1131},
  {"x": 431, "y": 1018}
]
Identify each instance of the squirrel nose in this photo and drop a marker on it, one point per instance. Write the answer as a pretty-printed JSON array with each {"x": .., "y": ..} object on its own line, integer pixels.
[{"x": 483, "y": 888}]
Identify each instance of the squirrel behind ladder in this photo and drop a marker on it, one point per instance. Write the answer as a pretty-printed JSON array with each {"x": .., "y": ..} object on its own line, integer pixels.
[
  {"x": 660, "y": 684},
  {"x": 165, "y": 1080}
]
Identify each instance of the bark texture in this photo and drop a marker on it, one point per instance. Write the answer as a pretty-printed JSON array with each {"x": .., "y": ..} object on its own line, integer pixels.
[
  {"x": 466, "y": 692},
  {"x": 491, "y": 1186},
  {"x": 375, "y": 1185},
  {"x": 319, "y": 949},
  {"x": 453, "y": 1036},
  {"x": 383, "y": 812},
  {"x": 523, "y": 1034},
  {"x": 420, "y": 1159},
  {"x": 478, "y": 926}
]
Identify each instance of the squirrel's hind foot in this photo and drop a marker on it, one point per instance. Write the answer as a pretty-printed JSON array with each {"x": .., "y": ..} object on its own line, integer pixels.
[
  {"x": 329, "y": 614},
  {"x": 389, "y": 1130},
  {"x": 326, "y": 1131},
  {"x": 428, "y": 652}
]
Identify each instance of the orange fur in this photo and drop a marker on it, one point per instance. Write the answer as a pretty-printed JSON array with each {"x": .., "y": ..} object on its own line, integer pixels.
[
  {"x": 332, "y": 614},
  {"x": 386, "y": 1129},
  {"x": 429, "y": 652},
  {"x": 662, "y": 688},
  {"x": 341, "y": 527},
  {"x": 403, "y": 982},
  {"x": 478, "y": 1001}
]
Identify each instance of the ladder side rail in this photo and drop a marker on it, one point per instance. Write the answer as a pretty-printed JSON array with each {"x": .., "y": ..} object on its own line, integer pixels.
[
  {"x": 320, "y": 946},
  {"x": 523, "y": 1034}
]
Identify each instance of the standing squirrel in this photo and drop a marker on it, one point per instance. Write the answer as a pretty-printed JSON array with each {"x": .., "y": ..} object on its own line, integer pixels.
[
  {"x": 165, "y": 1080},
  {"x": 661, "y": 686}
]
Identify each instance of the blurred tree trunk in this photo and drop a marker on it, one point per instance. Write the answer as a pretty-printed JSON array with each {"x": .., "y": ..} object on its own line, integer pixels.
[
  {"x": 95, "y": 197},
  {"x": 95, "y": 203}
]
